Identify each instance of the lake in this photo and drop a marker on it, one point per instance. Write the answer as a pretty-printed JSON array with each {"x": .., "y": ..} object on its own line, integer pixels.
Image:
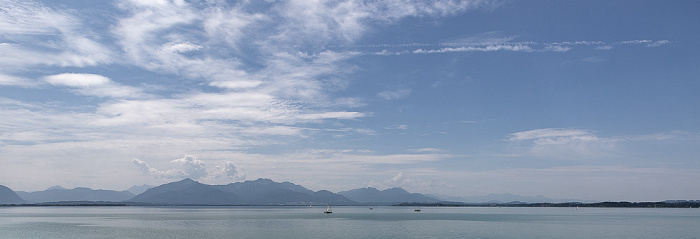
[{"x": 347, "y": 222}]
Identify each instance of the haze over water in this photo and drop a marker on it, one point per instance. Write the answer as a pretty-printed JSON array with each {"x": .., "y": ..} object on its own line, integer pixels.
[{"x": 346, "y": 222}]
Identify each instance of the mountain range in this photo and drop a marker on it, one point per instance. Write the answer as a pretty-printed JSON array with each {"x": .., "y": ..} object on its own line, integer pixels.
[
  {"x": 56, "y": 194},
  {"x": 190, "y": 192},
  {"x": 7, "y": 196},
  {"x": 388, "y": 196},
  {"x": 255, "y": 192}
]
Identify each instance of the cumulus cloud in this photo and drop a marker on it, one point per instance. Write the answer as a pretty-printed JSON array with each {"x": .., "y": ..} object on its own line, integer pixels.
[
  {"x": 187, "y": 167},
  {"x": 229, "y": 170},
  {"x": 399, "y": 179},
  {"x": 190, "y": 166}
]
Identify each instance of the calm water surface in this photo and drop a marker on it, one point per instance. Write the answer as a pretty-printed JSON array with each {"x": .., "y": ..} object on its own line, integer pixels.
[{"x": 346, "y": 222}]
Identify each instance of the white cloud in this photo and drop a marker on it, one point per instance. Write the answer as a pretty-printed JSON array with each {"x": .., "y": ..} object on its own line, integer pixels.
[
  {"x": 181, "y": 47},
  {"x": 77, "y": 80},
  {"x": 605, "y": 47},
  {"x": 230, "y": 171},
  {"x": 395, "y": 94},
  {"x": 397, "y": 127},
  {"x": 237, "y": 84},
  {"x": 193, "y": 167},
  {"x": 145, "y": 168},
  {"x": 553, "y": 135},
  {"x": 330, "y": 115},
  {"x": 427, "y": 150},
  {"x": 399, "y": 180},
  {"x": 648, "y": 43},
  {"x": 95, "y": 85},
  {"x": 634, "y": 42},
  {"x": 491, "y": 41},
  {"x": 557, "y": 48},
  {"x": 16, "y": 81},
  {"x": 658, "y": 43},
  {"x": 187, "y": 167},
  {"x": 45, "y": 36},
  {"x": 579, "y": 144},
  {"x": 498, "y": 47},
  {"x": 563, "y": 143}
]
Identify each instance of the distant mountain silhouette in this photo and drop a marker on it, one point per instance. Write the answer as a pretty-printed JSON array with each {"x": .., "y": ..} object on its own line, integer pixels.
[
  {"x": 387, "y": 196},
  {"x": 57, "y": 194},
  {"x": 186, "y": 191},
  {"x": 55, "y": 187},
  {"x": 136, "y": 190},
  {"x": 257, "y": 192},
  {"x": 7, "y": 196}
]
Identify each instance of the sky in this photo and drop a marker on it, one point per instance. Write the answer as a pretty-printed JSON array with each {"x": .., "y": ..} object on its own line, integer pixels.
[{"x": 591, "y": 100}]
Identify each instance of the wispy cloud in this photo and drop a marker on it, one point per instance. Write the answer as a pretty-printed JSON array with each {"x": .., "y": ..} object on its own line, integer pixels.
[
  {"x": 10, "y": 80},
  {"x": 397, "y": 127},
  {"x": 394, "y": 94},
  {"x": 490, "y": 43},
  {"x": 562, "y": 143},
  {"x": 554, "y": 136},
  {"x": 427, "y": 150},
  {"x": 43, "y": 36},
  {"x": 648, "y": 43},
  {"x": 579, "y": 143}
]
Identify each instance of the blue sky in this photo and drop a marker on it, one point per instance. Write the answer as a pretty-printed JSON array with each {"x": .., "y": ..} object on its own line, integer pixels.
[{"x": 592, "y": 100}]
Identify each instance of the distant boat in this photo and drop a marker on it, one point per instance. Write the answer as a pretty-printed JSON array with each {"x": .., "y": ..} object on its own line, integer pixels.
[
  {"x": 416, "y": 210},
  {"x": 371, "y": 208},
  {"x": 328, "y": 209}
]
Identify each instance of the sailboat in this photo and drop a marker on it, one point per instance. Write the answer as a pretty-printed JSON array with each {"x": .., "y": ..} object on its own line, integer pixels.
[{"x": 328, "y": 209}]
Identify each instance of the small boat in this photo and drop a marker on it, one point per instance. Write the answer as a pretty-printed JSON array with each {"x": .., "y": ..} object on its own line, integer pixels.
[
  {"x": 328, "y": 209},
  {"x": 416, "y": 210}
]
